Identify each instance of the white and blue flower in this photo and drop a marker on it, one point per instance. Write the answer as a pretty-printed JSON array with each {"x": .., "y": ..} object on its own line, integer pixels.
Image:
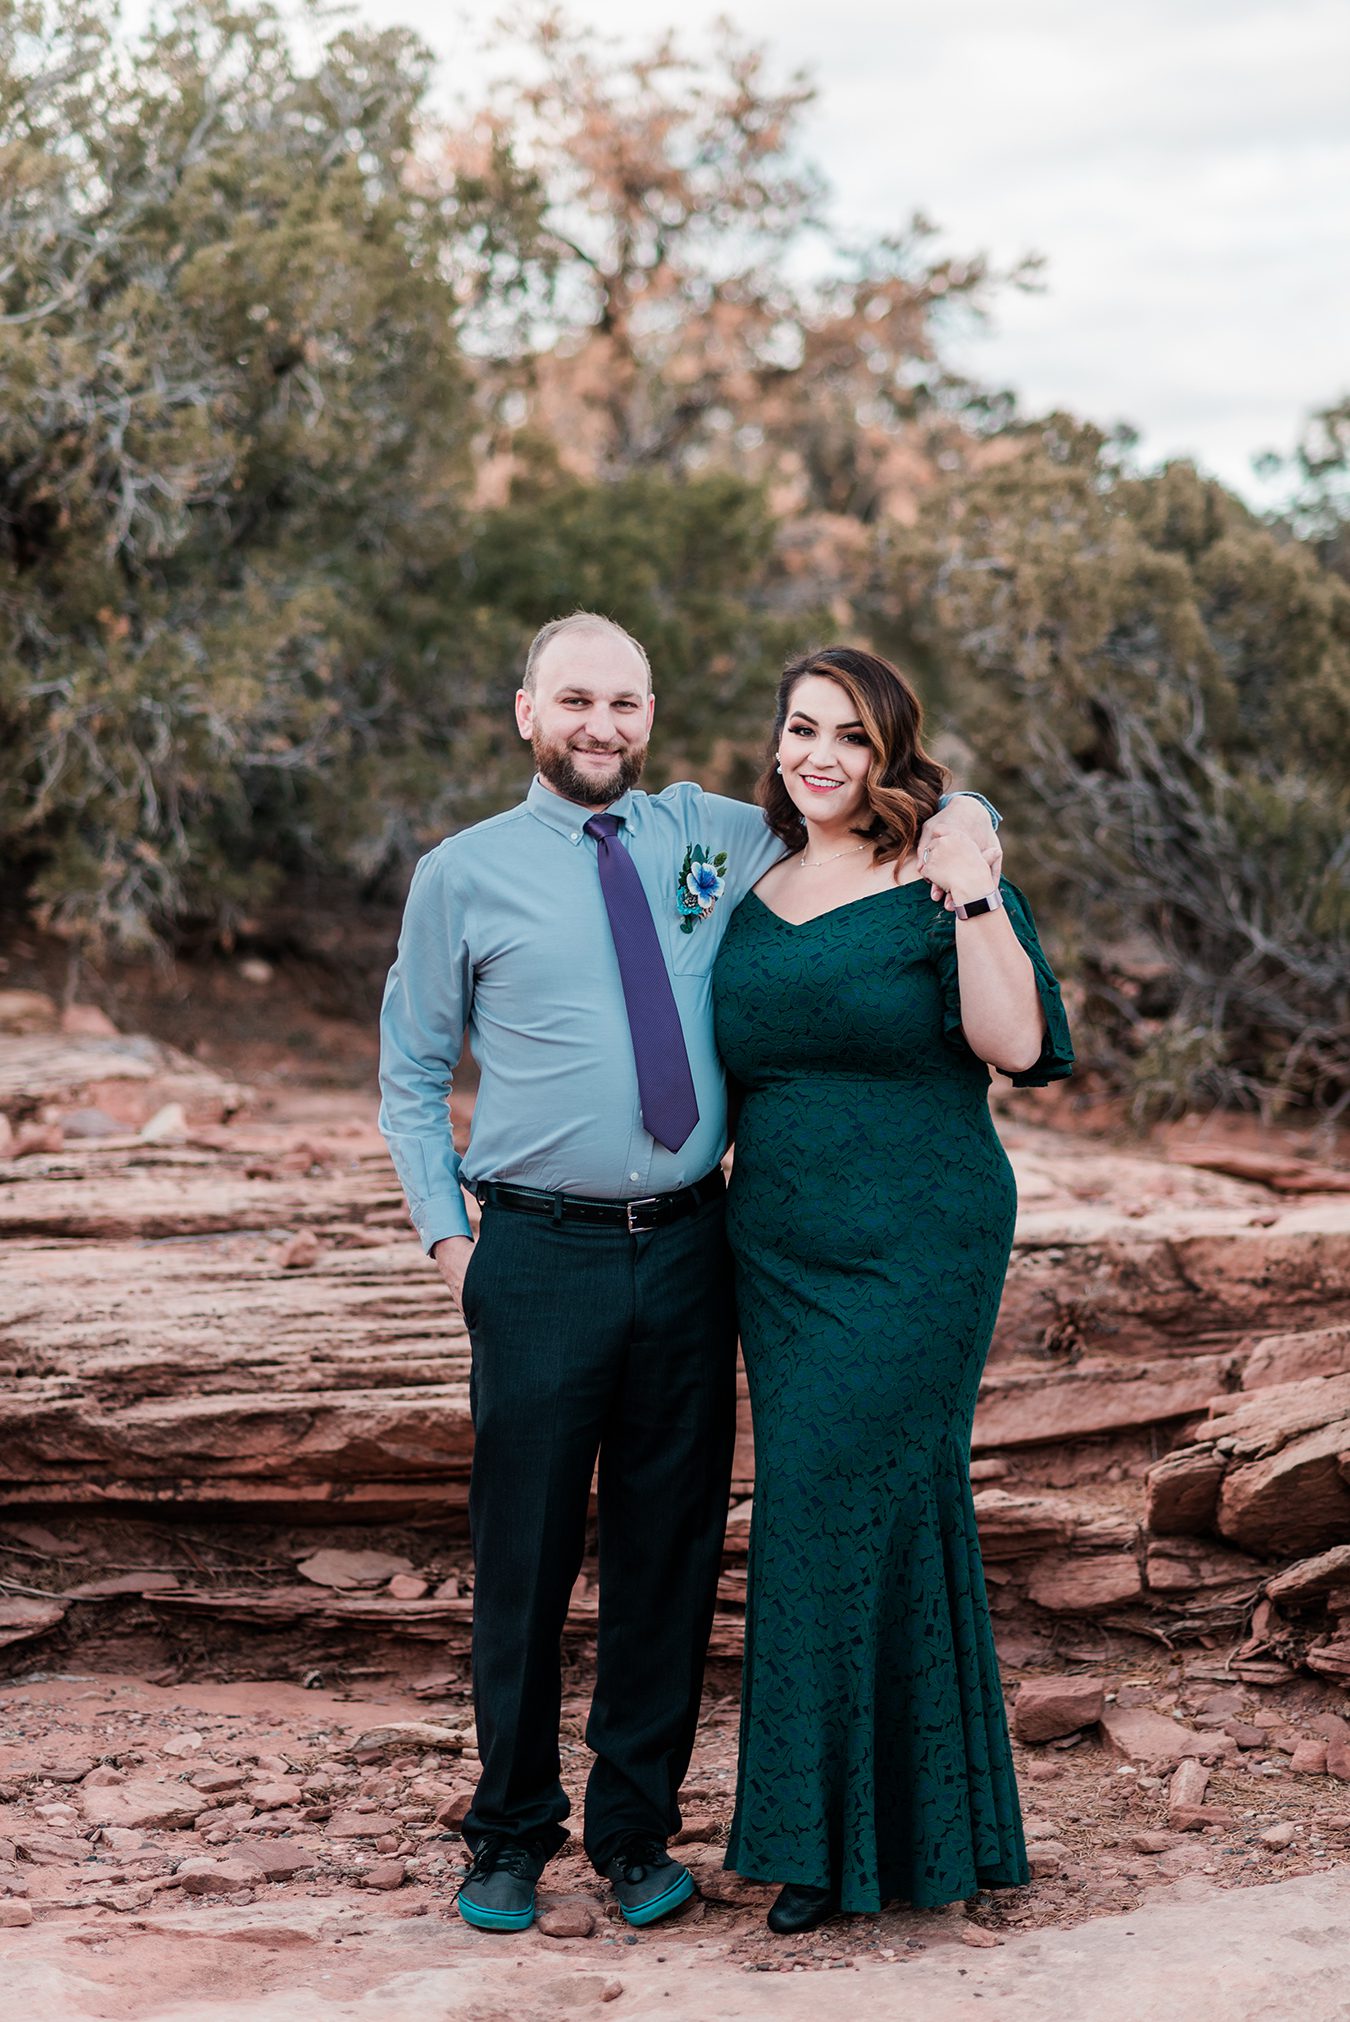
[
  {"x": 700, "y": 885},
  {"x": 705, "y": 884}
]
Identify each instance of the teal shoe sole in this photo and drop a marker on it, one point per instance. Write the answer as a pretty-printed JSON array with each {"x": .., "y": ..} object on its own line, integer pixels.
[
  {"x": 494, "y": 1920},
  {"x": 650, "y": 1913}
]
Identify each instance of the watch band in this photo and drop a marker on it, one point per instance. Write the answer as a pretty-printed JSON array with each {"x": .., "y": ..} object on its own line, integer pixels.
[{"x": 989, "y": 904}]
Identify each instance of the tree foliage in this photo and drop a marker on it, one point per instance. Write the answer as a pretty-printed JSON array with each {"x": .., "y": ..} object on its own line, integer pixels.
[
  {"x": 1159, "y": 686},
  {"x": 312, "y": 411},
  {"x": 673, "y": 295}
]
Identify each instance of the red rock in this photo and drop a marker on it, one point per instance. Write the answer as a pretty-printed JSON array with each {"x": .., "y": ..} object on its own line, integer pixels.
[
  {"x": 1294, "y": 1500},
  {"x": 1330, "y": 1658},
  {"x": 302, "y": 1250},
  {"x": 1012, "y": 1525},
  {"x": 696, "y": 1832},
  {"x": 611, "y": 1990},
  {"x": 140, "y": 1804},
  {"x": 1246, "y": 1733},
  {"x": 1309, "y": 1758},
  {"x": 359, "y": 1825},
  {"x": 276, "y": 1860},
  {"x": 571, "y": 1919},
  {"x": 204, "y": 1877},
  {"x": 15, "y": 1916},
  {"x": 385, "y": 1875},
  {"x": 1338, "y": 1760},
  {"x": 1140, "y": 1736},
  {"x": 181, "y": 1746},
  {"x": 24, "y": 1011},
  {"x": 1193, "y": 1817},
  {"x": 1183, "y": 1566},
  {"x": 1254, "y": 1424},
  {"x": 334, "y": 1567},
  {"x": 1291, "y": 1358},
  {"x": 1095, "y": 1397},
  {"x": 1309, "y": 1578},
  {"x": 408, "y": 1586},
  {"x": 1046, "y": 1858},
  {"x": 1153, "y": 1842},
  {"x": 1080, "y": 1586},
  {"x": 976, "y": 1934},
  {"x": 1182, "y": 1492},
  {"x": 86, "y": 1021},
  {"x": 33, "y": 1140},
  {"x": 1047, "y": 1708},
  {"x": 214, "y": 1780},
  {"x": 22, "y": 1616},
  {"x": 1190, "y": 1780},
  {"x": 456, "y": 1807},
  {"x": 1280, "y": 1835},
  {"x": 271, "y": 1768},
  {"x": 273, "y": 1796}
]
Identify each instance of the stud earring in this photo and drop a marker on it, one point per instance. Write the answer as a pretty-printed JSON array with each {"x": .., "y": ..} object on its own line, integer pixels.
[{"x": 778, "y": 768}]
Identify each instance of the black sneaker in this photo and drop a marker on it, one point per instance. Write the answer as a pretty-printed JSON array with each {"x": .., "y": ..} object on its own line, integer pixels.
[
  {"x": 497, "y": 1894},
  {"x": 647, "y": 1882}
]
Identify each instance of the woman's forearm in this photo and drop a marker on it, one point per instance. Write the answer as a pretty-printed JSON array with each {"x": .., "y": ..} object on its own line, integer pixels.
[{"x": 1001, "y": 1012}]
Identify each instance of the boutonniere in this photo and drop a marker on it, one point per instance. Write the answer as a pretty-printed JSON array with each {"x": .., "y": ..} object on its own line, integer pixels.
[{"x": 700, "y": 885}]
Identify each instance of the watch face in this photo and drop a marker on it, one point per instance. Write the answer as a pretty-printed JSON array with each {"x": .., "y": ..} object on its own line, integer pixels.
[{"x": 976, "y": 907}]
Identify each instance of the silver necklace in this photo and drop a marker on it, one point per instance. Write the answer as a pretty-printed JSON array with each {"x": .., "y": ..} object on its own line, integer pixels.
[{"x": 821, "y": 862}]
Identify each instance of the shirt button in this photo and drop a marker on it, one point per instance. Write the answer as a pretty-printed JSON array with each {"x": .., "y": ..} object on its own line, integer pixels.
[
  {"x": 635, "y": 1175},
  {"x": 575, "y": 836}
]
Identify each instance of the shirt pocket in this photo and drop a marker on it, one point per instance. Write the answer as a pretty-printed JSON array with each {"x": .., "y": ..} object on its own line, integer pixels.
[{"x": 694, "y": 953}]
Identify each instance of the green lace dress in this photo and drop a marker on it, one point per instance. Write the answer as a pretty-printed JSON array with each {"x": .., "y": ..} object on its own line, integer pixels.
[{"x": 871, "y": 1218}]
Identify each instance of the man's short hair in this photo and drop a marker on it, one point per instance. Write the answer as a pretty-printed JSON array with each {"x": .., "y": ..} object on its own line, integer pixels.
[{"x": 577, "y": 621}]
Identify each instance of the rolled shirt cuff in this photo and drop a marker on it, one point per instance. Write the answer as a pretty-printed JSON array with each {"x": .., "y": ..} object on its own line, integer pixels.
[
  {"x": 442, "y": 1216},
  {"x": 969, "y": 793}
]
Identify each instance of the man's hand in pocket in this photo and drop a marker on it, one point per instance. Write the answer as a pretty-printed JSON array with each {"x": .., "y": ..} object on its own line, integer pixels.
[{"x": 451, "y": 1258}]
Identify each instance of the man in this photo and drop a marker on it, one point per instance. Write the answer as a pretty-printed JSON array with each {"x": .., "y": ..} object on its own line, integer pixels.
[{"x": 573, "y": 939}]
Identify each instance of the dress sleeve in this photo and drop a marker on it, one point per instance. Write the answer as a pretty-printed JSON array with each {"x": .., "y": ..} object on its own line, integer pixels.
[{"x": 1056, "y": 1059}]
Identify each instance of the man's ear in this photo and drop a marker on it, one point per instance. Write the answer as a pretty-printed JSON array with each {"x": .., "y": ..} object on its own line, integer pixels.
[
  {"x": 651, "y": 709},
  {"x": 524, "y": 713}
]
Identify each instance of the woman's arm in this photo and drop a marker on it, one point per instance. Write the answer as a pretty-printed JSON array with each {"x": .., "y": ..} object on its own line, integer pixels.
[{"x": 1001, "y": 1013}]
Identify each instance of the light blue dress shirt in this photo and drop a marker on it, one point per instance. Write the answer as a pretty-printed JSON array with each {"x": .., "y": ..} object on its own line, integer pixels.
[{"x": 506, "y": 939}]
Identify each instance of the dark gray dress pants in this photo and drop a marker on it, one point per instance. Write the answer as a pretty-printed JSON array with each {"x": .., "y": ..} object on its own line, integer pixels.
[{"x": 592, "y": 1341}]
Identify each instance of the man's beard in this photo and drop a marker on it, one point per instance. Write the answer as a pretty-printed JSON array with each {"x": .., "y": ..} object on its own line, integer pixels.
[{"x": 587, "y": 789}]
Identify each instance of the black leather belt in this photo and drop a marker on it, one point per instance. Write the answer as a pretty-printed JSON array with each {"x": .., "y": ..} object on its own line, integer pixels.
[{"x": 637, "y": 1218}]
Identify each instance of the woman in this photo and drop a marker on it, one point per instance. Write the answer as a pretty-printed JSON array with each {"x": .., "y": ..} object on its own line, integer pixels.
[{"x": 871, "y": 1218}]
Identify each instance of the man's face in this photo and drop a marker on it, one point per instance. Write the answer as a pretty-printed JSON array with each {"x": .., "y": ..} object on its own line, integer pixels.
[{"x": 589, "y": 718}]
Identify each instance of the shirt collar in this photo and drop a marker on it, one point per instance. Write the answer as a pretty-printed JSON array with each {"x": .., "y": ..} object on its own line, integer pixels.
[{"x": 565, "y": 815}]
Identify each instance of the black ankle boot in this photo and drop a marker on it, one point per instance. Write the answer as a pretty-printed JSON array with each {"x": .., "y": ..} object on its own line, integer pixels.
[{"x": 800, "y": 1909}]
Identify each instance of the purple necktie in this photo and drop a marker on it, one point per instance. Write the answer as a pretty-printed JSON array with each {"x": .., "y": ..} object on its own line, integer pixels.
[{"x": 665, "y": 1085}]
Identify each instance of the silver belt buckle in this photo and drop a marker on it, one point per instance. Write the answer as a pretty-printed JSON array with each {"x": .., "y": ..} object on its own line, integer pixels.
[{"x": 631, "y": 1208}]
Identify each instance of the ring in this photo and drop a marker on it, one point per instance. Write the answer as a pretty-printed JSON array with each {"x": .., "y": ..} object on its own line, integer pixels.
[{"x": 924, "y": 858}]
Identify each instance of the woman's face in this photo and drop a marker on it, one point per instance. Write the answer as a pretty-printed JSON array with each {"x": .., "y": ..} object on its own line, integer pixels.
[{"x": 824, "y": 752}]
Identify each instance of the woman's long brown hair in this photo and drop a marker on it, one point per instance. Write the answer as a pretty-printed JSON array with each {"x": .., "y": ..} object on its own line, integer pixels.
[{"x": 903, "y": 784}]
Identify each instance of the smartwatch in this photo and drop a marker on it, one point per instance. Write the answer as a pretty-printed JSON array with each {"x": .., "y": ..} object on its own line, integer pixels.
[{"x": 989, "y": 904}]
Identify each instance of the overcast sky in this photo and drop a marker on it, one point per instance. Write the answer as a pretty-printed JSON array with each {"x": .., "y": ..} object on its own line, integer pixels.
[{"x": 1183, "y": 165}]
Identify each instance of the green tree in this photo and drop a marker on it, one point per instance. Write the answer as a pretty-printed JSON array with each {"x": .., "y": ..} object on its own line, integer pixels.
[
  {"x": 1159, "y": 687},
  {"x": 233, "y": 441}
]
